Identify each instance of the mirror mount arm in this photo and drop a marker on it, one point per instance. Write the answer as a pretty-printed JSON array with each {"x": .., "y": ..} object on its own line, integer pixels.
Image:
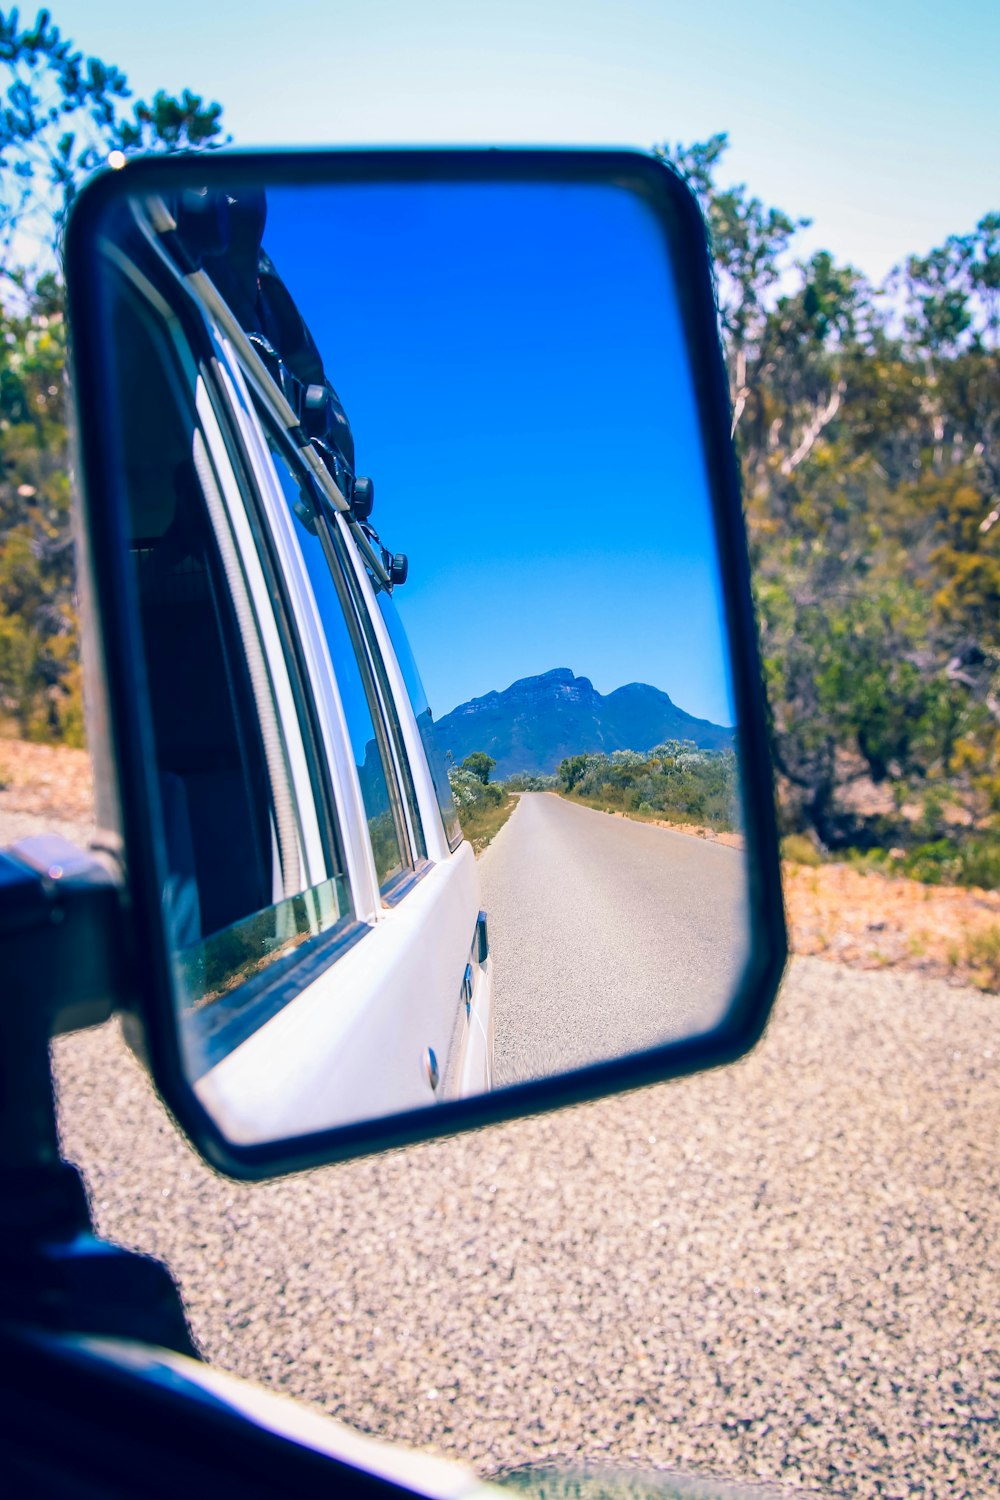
[{"x": 66, "y": 967}]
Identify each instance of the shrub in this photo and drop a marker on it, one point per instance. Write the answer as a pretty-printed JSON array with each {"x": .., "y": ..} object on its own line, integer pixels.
[
  {"x": 982, "y": 951},
  {"x": 981, "y": 864},
  {"x": 800, "y": 850},
  {"x": 937, "y": 863}
]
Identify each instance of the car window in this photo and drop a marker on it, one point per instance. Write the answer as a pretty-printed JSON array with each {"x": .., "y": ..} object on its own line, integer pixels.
[
  {"x": 338, "y": 538},
  {"x": 421, "y": 712},
  {"x": 366, "y": 729},
  {"x": 246, "y": 880}
]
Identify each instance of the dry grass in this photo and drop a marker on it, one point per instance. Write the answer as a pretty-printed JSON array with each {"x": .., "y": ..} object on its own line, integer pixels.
[
  {"x": 872, "y": 921},
  {"x": 481, "y": 822}
]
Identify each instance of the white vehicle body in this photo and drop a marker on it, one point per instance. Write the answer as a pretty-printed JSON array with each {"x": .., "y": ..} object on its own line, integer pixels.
[{"x": 386, "y": 1002}]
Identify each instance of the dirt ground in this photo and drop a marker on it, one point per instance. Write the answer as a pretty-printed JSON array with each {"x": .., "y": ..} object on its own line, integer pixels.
[
  {"x": 46, "y": 780},
  {"x": 873, "y": 921},
  {"x": 865, "y": 920}
]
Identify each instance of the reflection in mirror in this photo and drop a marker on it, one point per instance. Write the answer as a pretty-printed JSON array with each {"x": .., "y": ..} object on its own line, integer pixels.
[{"x": 427, "y": 584}]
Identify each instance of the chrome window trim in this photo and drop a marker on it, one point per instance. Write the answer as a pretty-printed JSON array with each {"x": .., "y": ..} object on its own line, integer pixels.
[
  {"x": 427, "y": 803},
  {"x": 311, "y": 853},
  {"x": 290, "y": 453}
]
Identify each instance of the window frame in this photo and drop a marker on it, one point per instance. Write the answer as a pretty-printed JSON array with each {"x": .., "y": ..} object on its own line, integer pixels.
[
  {"x": 190, "y": 344},
  {"x": 187, "y": 374},
  {"x": 225, "y": 398},
  {"x": 292, "y": 595},
  {"x": 382, "y": 704},
  {"x": 433, "y": 809}
]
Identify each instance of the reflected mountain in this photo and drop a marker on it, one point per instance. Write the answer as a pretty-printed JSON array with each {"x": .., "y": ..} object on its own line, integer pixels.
[{"x": 536, "y": 722}]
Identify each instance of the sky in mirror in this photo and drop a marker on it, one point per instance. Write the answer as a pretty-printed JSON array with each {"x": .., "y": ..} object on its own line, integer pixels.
[{"x": 512, "y": 362}]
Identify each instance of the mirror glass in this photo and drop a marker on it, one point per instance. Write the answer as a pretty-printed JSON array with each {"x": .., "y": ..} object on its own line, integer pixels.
[{"x": 442, "y": 750}]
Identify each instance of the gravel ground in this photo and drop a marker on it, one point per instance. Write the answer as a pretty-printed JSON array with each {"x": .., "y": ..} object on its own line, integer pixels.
[{"x": 785, "y": 1271}]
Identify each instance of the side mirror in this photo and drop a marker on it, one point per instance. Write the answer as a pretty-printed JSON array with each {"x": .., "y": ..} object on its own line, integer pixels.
[{"x": 509, "y": 342}]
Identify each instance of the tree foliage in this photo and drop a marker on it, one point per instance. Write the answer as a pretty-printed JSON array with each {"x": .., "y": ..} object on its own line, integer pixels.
[
  {"x": 676, "y": 781},
  {"x": 866, "y": 423},
  {"x": 479, "y": 764},
  {"x": 39, "y": 649},
  {"x": 61, "y": 115}
]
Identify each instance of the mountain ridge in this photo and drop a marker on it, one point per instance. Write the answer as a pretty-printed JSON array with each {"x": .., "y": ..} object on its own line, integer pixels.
[{"x": 533, "y": 724}]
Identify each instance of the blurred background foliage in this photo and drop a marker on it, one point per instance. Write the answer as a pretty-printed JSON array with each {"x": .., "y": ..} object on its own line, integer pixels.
[
  {"x": 62, "y": 114},
  {"x": 866, "y": 424}
]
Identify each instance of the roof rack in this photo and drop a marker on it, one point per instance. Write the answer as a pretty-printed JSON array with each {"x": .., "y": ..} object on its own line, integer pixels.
[{"x": 205, "y": 291}]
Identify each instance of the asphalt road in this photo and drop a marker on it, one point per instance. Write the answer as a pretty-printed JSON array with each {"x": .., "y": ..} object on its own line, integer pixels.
[{"x": 608, "y": 936}]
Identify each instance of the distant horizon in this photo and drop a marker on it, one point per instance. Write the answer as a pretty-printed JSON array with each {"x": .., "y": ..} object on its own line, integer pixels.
[
  {"x": 580, "y": 677},
  {"x": 538, "y": 722}
]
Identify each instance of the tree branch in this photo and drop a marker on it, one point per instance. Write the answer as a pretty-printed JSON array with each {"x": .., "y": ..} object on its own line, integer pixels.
[{"x": 821, "y": 419}]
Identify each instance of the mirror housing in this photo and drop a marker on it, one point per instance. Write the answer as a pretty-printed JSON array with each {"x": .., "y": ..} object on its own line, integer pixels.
[{"x": 138, "y": 807}]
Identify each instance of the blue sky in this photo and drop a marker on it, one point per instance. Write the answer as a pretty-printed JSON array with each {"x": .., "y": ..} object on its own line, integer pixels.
[
  {"x": 877, "y": 118},
  {"x": 512, "y": 363}
]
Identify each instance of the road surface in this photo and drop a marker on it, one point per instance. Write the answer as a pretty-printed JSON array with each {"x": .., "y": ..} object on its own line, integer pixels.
[{"x": 608, "y": 936}]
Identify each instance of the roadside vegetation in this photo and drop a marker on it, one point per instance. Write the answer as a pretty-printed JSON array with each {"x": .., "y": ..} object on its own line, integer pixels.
[
  {"x": 483, "y": 805},
  {"x": 674, "y": 782},
  {"x": 867, "y": 425},
  {"x": 61, "y": 115}
]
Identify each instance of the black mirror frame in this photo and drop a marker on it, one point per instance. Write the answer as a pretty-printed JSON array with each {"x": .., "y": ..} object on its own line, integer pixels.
[{"x": 108, "y": 588}]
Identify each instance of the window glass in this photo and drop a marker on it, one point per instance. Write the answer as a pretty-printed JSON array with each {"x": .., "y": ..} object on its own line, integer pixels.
[
  {"x": 337, "y": 537},
  {"x": 235, "y": 892},
  {"x": 378, "y": 786},
  {"x": 422, "y": 714}
]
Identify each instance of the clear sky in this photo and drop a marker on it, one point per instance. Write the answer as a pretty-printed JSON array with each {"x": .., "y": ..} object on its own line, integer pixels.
[
  {"x": 512, "y": 362},
  {"x": 879, "y": 119}
]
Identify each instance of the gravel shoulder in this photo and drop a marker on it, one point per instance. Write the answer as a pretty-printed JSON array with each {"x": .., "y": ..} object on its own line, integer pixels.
[{"x": 785, "y": 1271}]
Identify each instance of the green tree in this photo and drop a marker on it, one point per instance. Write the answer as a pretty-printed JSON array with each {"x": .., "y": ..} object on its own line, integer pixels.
[
  {"x": 748, "y": 241},
  {"x": 39, "y": 659},
  {"x": 62, "y": 114},
  {"x": 571, "y": 771},
  {"x": 867, "y": 425},
  {"x": 480, "y": 765}
]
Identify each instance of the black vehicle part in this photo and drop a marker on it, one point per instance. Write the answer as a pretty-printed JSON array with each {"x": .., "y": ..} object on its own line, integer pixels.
[
  {"x": 222, "y": 234},
  {"x": 674, "y": 209},
  {"x": 66, "y": 962},
  {"x": 363, "y": 499},
  {"x": 399, "y": 567},
  {"x": 120, "y": 1421},
  {"x": 324, "y": 419}
]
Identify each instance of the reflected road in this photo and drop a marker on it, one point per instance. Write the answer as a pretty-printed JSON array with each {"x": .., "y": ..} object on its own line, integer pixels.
[{"x": 607, "y": 935}]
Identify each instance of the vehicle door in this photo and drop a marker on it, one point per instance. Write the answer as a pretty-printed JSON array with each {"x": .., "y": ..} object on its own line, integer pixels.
[{"x": 384, "y": 1004}]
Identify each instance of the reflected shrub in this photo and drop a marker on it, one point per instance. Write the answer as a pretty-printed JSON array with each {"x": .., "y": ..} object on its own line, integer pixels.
[{"x": 675, "y": 781}]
